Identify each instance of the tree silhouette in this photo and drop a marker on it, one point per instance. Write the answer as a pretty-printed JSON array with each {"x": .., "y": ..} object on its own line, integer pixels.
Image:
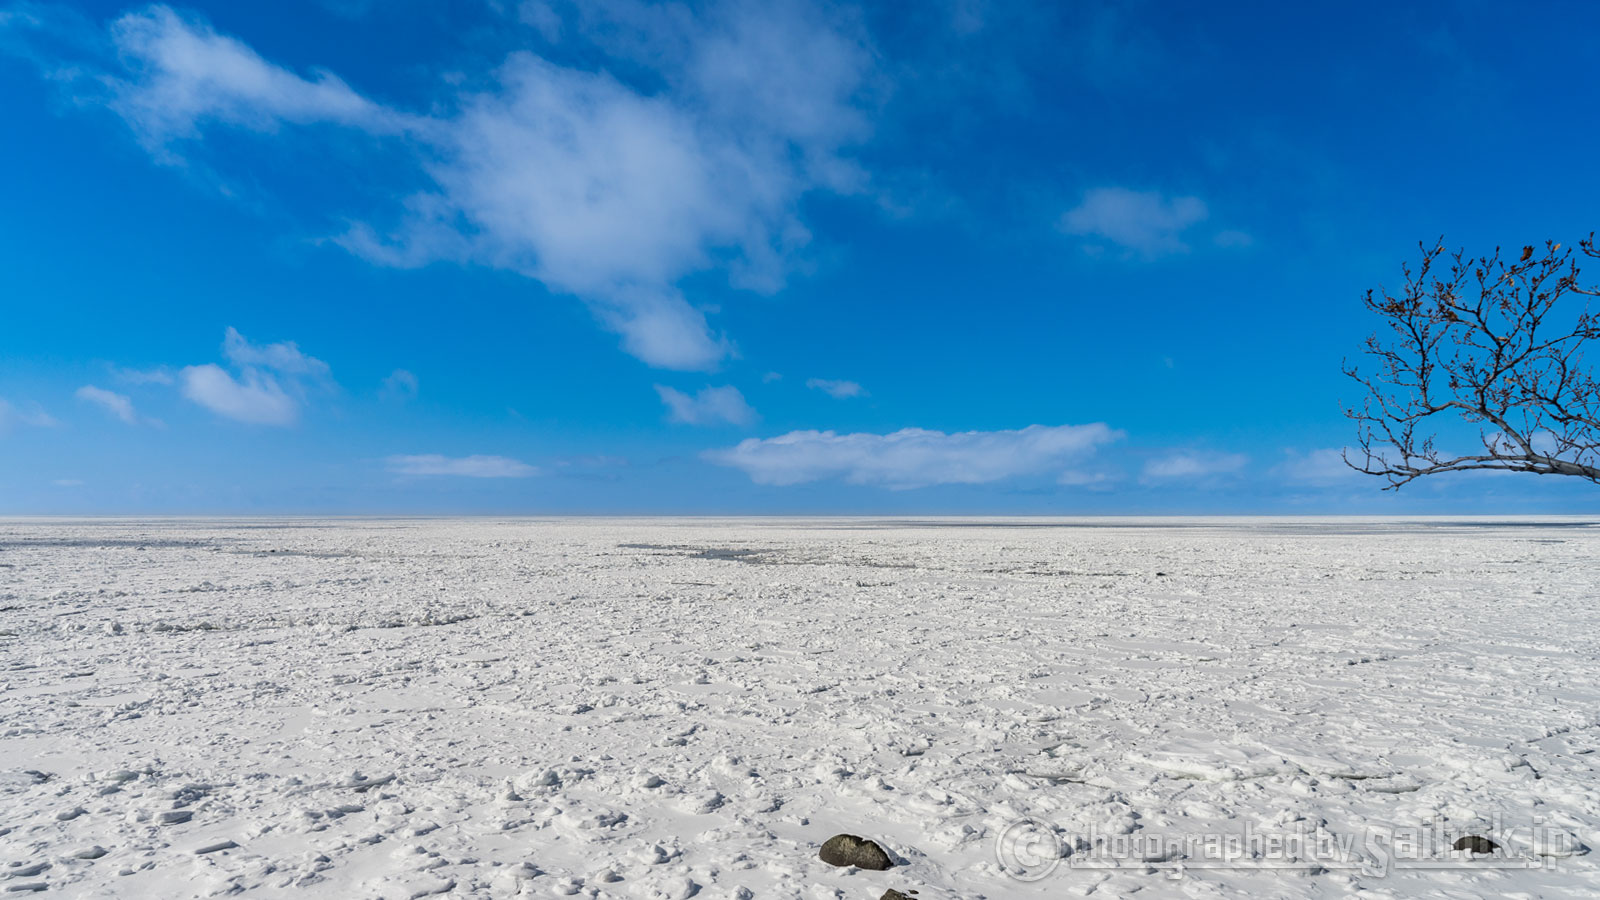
[{"x": 1486, "y": 343}]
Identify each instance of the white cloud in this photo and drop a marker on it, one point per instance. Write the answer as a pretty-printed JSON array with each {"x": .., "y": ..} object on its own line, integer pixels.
[
  {"x": 180, "y": 74},
  {"x": 574, "y": 179},
  {"x": 838, "y": 390},
  {"x": 710, "y": 406},
  {"x": 1193, "y": 465},
  {"x": 283, "y": 357},
  {"x": 269, "y": 386},
  {"x": 401, "y": 386},
  {"x": 159, "y": 375},
  {"x": 914, "y": 457},
  {"x": 464, "y": 466},
  {"x": 34, "y": 417},
  {"x": 609, "y": 190},
  {"x": 1321, "y": 467},
  {"x": 542, "y": 17},
  {"x": 1146, "y": 223},
  {"x": 255, "y": 397},
  {"x": 1084, "y": 479},
  {"x": 119, "y": 405},
  {"x": 598, "y": 190}
]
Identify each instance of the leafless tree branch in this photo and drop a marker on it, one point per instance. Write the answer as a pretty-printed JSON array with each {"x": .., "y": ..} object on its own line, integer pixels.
[{"x": 1481, "y": 340}]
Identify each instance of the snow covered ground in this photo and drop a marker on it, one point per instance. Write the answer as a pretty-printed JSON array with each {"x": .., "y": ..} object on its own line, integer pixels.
[{"x": 667, "y": 708}]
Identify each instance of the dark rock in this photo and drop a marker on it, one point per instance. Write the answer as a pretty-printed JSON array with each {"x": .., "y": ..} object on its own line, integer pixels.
[
  {"x": 892, "y": 894},
  {"x": 1473, "y": 843},
  {"x": 849, "y": 850}
]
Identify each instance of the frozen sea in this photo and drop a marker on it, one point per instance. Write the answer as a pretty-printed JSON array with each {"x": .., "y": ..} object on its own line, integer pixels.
[{"x": 667, "y": 708}]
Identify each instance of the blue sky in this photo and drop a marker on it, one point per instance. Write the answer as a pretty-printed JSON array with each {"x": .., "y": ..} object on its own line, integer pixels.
[{"x": 614, "y": 257}]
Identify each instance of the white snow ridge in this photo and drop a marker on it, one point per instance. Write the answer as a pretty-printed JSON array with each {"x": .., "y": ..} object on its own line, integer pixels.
[{"x": 680, "y": 708}]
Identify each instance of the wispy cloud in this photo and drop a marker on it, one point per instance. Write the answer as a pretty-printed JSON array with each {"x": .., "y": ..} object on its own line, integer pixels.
[
  {"x": 182, "y": 75},
  {"x": 118, "y": 405},
  {"x": 476, "y": 466},
  {"x": 914, "y": 457},
  {"x": 269, "y": 385},
  {"x": 284, "y": 357},
  {"x": 400, "y": 387},
  {"x": 1144, "y": 223},
  {"x": 838, "y": 390},
  {"x": 1319, "y": 468},
  {"x": 1193, "y": 465},
  {"x": 709, "y": 406},
  {"x": 137, "y": 377},
  {"x": 1101, "y": 480},
  {"x": 33, "y": 416}
]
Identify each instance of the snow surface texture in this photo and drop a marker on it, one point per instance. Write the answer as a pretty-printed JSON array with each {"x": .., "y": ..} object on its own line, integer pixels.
[{"x": 670, "y": 708}]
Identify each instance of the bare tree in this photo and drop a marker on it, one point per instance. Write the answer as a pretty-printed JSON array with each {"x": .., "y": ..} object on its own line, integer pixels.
[{"x": 1483, "y": 342}]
